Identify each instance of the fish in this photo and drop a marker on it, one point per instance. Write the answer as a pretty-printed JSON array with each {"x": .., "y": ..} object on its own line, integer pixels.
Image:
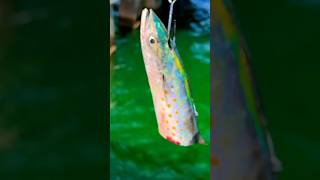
[
  {"x": 174, "y": 107},
  {"x": 241, "y": 145}
]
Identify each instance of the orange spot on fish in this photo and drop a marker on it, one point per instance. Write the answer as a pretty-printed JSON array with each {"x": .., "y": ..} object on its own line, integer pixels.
[
  {"x": 165, "y": 92},
  {"x": 177, "y": 112},
  {"x": 173, "y": 127},
  {"x": 162, "y": 99},
  {"x": 174, "y": 100},
  {"x": 169, "y": 105},
  {"x": 170, "y": 115}
]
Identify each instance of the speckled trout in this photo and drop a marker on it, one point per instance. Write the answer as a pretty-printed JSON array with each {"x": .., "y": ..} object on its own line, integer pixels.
[{"x": 173, "y": 104}]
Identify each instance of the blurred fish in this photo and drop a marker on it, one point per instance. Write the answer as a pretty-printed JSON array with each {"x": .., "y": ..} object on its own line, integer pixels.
[
  {"x": 174, "y": 107},
  {"x": 242, "y": 146}
]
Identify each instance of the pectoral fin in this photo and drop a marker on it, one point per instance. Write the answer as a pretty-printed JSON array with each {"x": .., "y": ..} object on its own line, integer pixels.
[{"x": 195, "y": 110}]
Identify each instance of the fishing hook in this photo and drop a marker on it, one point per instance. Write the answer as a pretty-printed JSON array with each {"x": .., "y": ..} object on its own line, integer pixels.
[
  {"x": 170, "y": 15},
  {"x": 173, "y": 41}
]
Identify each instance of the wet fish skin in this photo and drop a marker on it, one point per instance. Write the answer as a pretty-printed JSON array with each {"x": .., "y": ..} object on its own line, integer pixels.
[{"x": 174, "y": 107}]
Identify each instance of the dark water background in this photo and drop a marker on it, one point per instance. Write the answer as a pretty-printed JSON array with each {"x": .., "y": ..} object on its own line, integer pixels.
[
  {"x": 283, "y": 38},
  {"x": 53, "y": 64}
]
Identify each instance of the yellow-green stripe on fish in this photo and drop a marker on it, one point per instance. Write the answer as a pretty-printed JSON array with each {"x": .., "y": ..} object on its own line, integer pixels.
[{"x": 174, "y": 108}]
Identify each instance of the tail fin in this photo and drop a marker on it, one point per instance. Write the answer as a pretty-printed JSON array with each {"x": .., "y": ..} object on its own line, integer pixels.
[
  {"x": 275, "y": 162},
  {"x": 202, "y": 141}
]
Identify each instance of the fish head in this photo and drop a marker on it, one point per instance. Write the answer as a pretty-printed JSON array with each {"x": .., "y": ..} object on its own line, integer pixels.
[{"x": 153, "y": 37}]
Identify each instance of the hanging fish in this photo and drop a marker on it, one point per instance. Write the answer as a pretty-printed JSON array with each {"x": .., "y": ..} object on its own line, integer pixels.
[{"x": 174, "y": 107}]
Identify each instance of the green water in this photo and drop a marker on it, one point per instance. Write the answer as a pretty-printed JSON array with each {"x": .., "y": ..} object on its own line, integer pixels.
[{"x": 137, "y": 149}]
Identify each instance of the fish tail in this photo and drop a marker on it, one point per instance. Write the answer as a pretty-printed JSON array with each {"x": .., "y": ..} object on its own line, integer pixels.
[
  {"x": 198, "y": 139},
  {"x": 202, "y": 141},
  {"x": 275, "y": 162}
]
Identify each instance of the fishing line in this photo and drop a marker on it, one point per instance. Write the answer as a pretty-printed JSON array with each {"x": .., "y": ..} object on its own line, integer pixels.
[
  {"x": 170, "y": 15},
  {"x": 171, "y": 43}
]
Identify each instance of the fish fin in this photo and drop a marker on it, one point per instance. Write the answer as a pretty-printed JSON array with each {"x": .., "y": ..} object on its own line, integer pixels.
[
  {"x": 195, "y": 110},
  {"x": 202, "y": 141},
  {"x": 275, "y": 162}
]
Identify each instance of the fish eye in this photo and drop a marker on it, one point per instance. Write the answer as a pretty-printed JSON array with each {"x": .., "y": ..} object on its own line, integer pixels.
[{"x": 152, "y": 40}]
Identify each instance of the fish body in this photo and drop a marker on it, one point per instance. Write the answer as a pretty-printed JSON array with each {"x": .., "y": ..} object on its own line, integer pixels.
[
  {"x": 242, "y": 146},
  {"x": 174, "y": 107}
]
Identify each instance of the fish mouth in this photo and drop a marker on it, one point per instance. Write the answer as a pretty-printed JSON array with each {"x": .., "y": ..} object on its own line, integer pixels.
[
  {"x": 145, "y": 13},
  {"x": 144, "y": 20},
  {"x": 148, "y": 19},
  {"x": 150, "y": 22}
]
